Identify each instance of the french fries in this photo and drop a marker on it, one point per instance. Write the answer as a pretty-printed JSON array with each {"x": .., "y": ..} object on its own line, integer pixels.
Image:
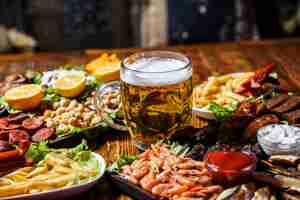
[
  {"x": 220, "y": 89},
  {"x": 55, "y": 171}
]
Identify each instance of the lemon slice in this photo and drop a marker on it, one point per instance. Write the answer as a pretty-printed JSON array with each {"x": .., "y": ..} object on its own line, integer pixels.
[
  {"x": 24, "y": 97},
  {"x": 70, "y": 85},
  {"x": 105, "y": 68},
  {"x": 107, "y": 73}
]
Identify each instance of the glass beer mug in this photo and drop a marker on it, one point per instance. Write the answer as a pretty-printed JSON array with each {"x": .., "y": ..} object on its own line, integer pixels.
[{"x": 156, "y": 92}]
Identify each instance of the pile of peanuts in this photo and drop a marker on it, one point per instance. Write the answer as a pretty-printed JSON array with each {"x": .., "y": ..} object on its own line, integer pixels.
[{"x": 68, "y": 114}]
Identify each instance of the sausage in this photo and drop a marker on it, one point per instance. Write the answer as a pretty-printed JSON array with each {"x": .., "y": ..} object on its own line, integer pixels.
[
  {"x": 275, "y": 101},
  {"x": 260, "y": 122},
  {"x": 290, "y": 104},
  {"x": 4, "y": 134},
  {"x": 43, "y": 134},
  {"x": 293, "y": 117},
  {"x": 9, "y": 155},
  {"x": 4, "y": 146},
  {"x": 3, "y": 123},
  {"x": 16, "y": 136},
  {"x": 17, "y": 117},
  {"x": 32, "y": 123},
  {"x": 11, "y": 126}
]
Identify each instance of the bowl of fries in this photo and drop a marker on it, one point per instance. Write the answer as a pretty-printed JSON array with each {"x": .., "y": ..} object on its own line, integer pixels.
[
  {"x": 54, "y": 177},
  {"x": 221, "y": 90}
]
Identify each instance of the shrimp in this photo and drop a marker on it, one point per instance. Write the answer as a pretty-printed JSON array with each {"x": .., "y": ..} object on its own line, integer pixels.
[
  {"x": 161, "y": 189},
  {"x": 140, "y": 172},
  {"x": 177, "y": 189},
  {"x": 183, "y": 180},
  {"x": 148, "y": 181},
  {"x": 193, "y": 194},
  {"x": 191, "y": 164},
  {"x": 193, "y": 172},
  {"x": 164, "y": 176},
  {"x": 212, "y": 189},
  {"x": 126, "y": 169},
  {"x": 203, "y": 180},
  {"x": 196, "y": 188},
  {"x": 140, "y": 168},
  {"x": 145, "y": 155}
]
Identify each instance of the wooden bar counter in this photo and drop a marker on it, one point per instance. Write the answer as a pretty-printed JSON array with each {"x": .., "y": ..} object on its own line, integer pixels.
[{"x": 207, "y": 59}]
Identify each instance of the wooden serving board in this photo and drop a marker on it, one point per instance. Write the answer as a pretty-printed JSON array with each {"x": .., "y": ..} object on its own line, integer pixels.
[{"x": 207, "y": 60}]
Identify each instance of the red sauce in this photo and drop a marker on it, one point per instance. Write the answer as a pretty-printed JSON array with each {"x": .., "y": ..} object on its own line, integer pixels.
[{"x": 231, "y": 161}]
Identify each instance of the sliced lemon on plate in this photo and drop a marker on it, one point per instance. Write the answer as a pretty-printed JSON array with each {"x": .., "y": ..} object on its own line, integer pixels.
[
  {"x": 70, "y": 85},
  {"x": 24, "y": 97},
  {"x": 107, "y": 73},
  {"x": 105, "y": 68}
]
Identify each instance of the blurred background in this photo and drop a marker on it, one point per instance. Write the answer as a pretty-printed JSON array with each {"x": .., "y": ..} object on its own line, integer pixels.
[{"x": 61, "y": 25}]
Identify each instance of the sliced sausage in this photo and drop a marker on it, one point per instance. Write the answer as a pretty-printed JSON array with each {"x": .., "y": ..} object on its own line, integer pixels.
[
  {"x": 275, "y": 101},
  {"x": 32, "y": 123},
  {"x": 288, "y": 105},
  {"x": 293, "y": 117},
  {"x": 17, "y": 117},
  {"x": 4, "y": 146},
  {"x": 12, "y": 126},
  {"x": 16, "y": 136},
  {"x": 4, "y": 135},
  {"x": 3, "y": 123},
  {"x": 260, "y": 122},
  {"x": 43, "y": 134}
]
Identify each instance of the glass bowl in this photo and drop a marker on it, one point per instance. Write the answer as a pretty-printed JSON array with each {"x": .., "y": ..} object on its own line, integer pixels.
[
  {"x": 110, "y": 108},
  {"x": 230, "y": 177}
]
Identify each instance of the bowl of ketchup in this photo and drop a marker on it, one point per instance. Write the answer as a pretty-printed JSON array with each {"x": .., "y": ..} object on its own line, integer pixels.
[{"x": 230, "y": 167}]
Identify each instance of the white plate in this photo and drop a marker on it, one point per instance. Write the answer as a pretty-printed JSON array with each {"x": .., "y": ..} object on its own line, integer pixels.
[
  {"x": 64, "y": 192},
  {"x": 204, "y": 112}
]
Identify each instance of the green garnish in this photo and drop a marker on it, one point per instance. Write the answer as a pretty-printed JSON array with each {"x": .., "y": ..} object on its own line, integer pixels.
[
  {"x": 51, "y": 95},
  {"x": 221, "y": 112},
  {"x": 273, "y": 75},
  {"x": 8, "y": 108},
  {"x": 91, "y": 84},
  {"x": 37, "y": 151},
  {"x": 123, "y": 160}
]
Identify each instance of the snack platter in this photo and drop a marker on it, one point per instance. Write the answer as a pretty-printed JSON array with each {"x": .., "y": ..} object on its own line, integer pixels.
[{"x": 248, "y": 148}]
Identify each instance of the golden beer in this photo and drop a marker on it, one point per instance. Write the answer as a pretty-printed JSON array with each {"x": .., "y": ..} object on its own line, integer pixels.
[{"x": 156, "y": 92}]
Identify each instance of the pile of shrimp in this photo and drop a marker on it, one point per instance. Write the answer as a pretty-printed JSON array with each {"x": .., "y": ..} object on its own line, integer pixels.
[{"x": 159, "y": 171}]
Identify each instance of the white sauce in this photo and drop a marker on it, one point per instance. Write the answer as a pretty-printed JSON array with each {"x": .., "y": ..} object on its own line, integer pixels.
[{"x": 279, "y": 139}]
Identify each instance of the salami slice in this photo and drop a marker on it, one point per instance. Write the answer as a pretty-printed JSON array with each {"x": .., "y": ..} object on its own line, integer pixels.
[
  {"x": 17, "y": 117},
  {"x": 43, "y": 134},
  {"x": 11, "y": 126},
  {"x": 32, "y": 123},
  {"x": 16, "y": 136},
  {"x": 4, "y": 146},
  {"x": 4, "y": 135},
  {"x": 3, "y": 123}
]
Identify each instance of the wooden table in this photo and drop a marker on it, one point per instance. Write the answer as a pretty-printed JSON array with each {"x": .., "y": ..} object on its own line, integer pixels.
[{"x": 207, "y": 59}]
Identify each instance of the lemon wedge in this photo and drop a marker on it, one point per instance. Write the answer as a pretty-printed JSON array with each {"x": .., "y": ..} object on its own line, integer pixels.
[
  {"x": 24, "y": 97},
  {"x": 105, "y": 68},
  {"x": 107, "y": 73},
  {"x": 70, "y": 85}
]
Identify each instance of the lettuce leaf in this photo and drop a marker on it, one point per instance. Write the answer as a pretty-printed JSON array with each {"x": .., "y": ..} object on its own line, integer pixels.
[
  {"x": 123, "y": 160},
  {"x": 221, "y": 112},
  {"x": 37, "y": 151}
]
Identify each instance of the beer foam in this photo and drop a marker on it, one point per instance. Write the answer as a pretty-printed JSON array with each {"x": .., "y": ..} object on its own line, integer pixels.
[{"x": 156, "y": 71}]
